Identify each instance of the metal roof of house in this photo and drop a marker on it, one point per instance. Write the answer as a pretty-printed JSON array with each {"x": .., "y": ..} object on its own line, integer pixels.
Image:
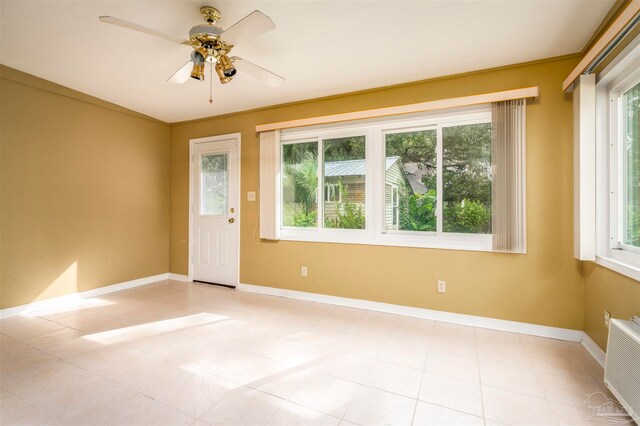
[
  {"x": 415, "y": 173},
  {"x": 416, "y": 184},
  {"x": 351, "y": 167}
]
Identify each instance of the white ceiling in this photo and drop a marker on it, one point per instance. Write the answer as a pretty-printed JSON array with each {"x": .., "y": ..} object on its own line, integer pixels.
[{"x": 321, "y": 47}]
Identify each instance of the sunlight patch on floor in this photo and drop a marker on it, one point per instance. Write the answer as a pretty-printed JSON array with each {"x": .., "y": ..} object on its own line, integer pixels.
[
  {"x": 141, "y": 331},
  {"x": 75, "y": 303}
]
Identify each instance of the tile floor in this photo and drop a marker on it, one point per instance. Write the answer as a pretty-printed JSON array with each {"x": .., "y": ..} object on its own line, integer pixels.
[{"x": 174, "y": 353}]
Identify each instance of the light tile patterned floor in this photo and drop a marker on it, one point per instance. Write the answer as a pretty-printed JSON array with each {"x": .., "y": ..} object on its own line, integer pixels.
[{"x": 178, "y": 354}]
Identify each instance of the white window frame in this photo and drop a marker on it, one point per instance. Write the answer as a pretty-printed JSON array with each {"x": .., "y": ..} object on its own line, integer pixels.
[
  {"x": 617, "y": 127},
  {"x": 374, "y": 131},
  {"x": 613, "y": 82},
  {"x": 395, "y": 205}
]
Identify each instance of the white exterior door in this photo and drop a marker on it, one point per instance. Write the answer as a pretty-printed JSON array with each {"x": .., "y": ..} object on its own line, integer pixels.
[{"x": 215, "y": 182}]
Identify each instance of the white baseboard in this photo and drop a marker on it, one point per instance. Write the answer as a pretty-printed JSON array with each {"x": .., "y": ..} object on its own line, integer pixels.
[
  {"x": 470, "y": 320},
  {"x": 592, "y": 347},
  {"x": 178, "y": 277},
  {"x": 74, "y": 297}
]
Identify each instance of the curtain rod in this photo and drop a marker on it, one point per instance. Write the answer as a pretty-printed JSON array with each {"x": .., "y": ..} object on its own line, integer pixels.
[
  {"x": 611, "y": 38},
  {"x": 614, "y": 43},
  {"x": 485, "y": 98}
]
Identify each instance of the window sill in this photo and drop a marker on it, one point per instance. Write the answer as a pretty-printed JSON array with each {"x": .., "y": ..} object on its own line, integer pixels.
[
  {"x": 630, "y": 271},
  {"x": 463, "y": 242}
]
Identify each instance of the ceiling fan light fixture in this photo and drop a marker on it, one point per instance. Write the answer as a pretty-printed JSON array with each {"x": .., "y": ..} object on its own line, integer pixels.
[
  {"x": 224, "y": 79},
  {"x": 227, "y": 66},
  {"x": 198, "y": 66},
  {"x": 198, "y": 71},
  {"x": 197, "y": 57}
]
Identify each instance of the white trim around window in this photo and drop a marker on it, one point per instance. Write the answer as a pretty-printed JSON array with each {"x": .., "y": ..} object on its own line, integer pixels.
[
  {"x": 611, "y": 252},
  {"x": 375, "y": 232}
]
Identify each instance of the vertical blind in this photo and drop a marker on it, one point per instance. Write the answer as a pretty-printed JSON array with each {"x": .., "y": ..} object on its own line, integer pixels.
[
  {"x": 509, "y": 183},
  {"x": 269, "y": 142}
]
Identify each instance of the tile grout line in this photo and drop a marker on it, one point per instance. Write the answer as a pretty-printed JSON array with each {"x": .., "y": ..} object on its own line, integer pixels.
[
  {"x": 424, "y": 372},
  {"x": 484, "y": 417},
  {"x": 29, "y": 405}
]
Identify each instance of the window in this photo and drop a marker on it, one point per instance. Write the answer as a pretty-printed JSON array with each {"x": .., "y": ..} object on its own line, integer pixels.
[
  {"x": 300, "y": 184},
  {"x": 214, "y": 184},
  {"x": 466, "y": 176},
  {"x": 629, "y": 147},
  {"x": 462, "y": 175},
  {"x": 394, "y": 206},
  {"x": 618, "y": 166},
  {"x": 420, "y": 181},
  {"x": 332, "y": 194},
  {"x": 624, "y": 163},
  {"x": 344, "y": 180},
  {"x": 411, "y": 164}
]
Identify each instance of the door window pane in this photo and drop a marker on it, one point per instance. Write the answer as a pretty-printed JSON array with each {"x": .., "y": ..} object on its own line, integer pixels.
[
  {"x": 300, "y": 184},
  {"x": 344, "y": 182},
  {"x": 466, "y": 178},
  {"x": 631, "y": 166},
  {"x": 214, "y": 184},
  {"x": 411, "y": 181}
]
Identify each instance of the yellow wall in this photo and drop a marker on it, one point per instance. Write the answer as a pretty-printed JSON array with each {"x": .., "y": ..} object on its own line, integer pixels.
[
  {"x": 85, "y": 203},
  {"x": 607, "y": 290},
  {"x": 542, "y": 287},
  {"x": 84, "y": 190}
]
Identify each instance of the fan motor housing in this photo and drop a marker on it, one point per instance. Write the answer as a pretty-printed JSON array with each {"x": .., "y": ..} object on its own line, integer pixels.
[{"x": 204, "y": 31}]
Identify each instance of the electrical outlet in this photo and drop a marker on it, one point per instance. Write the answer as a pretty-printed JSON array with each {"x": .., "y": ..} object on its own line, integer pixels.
[
  {"x": 607, "y": 317},
  {"x": 303, "y": 271},
  {"x": 442, "y": 286},
  {"x": 251, "y": 196}
]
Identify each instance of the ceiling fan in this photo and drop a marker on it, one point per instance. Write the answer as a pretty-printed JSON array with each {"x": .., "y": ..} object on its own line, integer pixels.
[{"x": 211, "y": 44}]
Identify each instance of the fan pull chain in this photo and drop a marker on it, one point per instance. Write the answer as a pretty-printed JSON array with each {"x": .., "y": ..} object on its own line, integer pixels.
[{"x": 211, "y": 83}]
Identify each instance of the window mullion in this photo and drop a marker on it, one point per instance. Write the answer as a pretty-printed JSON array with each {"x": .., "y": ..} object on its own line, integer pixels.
[
  {"x": 439, "y": 191},
  {"x": 320, "y": 192},
  {"x": 382, "y": 184},
  {"x": 374, "y": 202}
]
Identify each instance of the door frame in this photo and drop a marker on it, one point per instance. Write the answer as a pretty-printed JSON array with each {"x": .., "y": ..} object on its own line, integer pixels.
[{"x": 192, "y": 144}]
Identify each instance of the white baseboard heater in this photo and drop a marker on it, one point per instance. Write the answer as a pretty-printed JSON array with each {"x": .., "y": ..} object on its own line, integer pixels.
[{"x": 622, "y": 365}]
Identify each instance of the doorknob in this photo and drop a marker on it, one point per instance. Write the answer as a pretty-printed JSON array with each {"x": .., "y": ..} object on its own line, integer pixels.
[{"x": 231, "y": 220}]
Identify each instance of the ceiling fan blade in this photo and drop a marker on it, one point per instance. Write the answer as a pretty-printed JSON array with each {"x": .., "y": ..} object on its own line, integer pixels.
[
  {"x": 182, "y": 75},
  {"x": 140, "y": 28},
  {"x": 244, "y": 66},
  {"x": 250, "y": 26}
]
